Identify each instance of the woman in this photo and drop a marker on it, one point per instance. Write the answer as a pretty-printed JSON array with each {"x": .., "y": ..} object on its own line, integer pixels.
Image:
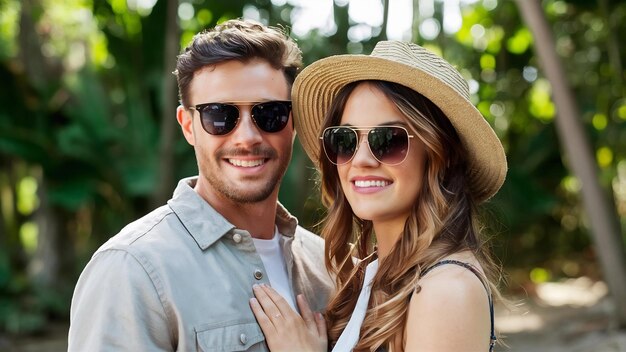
[{"x": 405, "y": 159}]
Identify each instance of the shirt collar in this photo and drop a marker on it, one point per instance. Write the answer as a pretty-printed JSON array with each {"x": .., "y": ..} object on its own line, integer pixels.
[{"x": 205, "y": 224}]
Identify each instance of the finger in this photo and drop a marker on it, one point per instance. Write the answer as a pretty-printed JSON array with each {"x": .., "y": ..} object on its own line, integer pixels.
[
  {"x": 321, "y": 325},
  {"x": 268, "y": 305},
  {"x": 280, "y": 303},
  {"x": 264, "y": 321},
  {"x": 306, "y": 313}
]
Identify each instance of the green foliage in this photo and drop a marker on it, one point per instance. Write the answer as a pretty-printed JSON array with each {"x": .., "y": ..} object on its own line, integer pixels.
[{"x": 25, "y": 307}]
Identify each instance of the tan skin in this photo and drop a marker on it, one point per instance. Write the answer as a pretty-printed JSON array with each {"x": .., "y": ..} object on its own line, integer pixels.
[
  {"x": 235, "y": 81},
  {"x": 450, "y": 313}
]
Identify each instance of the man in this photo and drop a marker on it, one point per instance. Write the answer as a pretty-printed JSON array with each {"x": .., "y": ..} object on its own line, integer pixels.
[{"x": 181, "y": 277}]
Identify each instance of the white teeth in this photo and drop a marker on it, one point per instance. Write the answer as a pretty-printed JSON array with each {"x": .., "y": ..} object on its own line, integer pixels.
[
  {"x": 246, "y": 163},
  {"x": 371, "y": 183}
]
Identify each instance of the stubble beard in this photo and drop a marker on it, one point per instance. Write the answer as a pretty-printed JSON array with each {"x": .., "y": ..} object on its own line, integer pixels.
[{"x": 241, "y": 196}]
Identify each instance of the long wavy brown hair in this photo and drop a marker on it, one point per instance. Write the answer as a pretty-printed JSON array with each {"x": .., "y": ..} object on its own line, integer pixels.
[{"x": 443, "y": 221}]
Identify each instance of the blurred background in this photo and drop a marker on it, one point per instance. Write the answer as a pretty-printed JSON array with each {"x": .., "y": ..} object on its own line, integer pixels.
[{"x": 89, "y": 142}]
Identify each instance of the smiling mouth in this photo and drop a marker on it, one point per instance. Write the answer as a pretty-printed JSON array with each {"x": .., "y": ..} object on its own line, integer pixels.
[
  {"x": 247, "y": 163},
  {"x": 371, "y": 183}
]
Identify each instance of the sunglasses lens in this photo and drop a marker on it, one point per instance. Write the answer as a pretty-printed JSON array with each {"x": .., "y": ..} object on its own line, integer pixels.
[
  {"x": 218, "y": 119},
  {"x": 340, "y": 144},
  {"x": 271, "y": 116},
  {"x": 389, "y": 145}
]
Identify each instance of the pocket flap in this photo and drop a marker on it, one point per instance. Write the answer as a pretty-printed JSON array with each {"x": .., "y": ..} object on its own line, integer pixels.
[{"x": 229, "y": 337}]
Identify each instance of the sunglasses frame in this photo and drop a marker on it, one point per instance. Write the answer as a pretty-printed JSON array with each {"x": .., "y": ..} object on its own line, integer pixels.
[
  {"x": 200, "y": 107},
  {"x": 356, "y": 130}
]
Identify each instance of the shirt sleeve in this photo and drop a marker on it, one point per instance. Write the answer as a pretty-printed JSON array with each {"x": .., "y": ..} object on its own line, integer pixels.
[{"x": 116, "y": 307}]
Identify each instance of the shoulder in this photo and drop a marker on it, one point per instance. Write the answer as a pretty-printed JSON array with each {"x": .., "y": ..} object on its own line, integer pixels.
[
  {"x": 307, "y": 245},
  {"x": 110, "y": 265},
  {"x": 153, "y": 225},
  {"x": 449, "y": 311},
  {"x": 139, "y": 248},
  {"x": 450, "y": 282},
  {"x": 110, "y": 273},
  {"x": 307, "y": 240},
  {"x": 113, "y": 299}
]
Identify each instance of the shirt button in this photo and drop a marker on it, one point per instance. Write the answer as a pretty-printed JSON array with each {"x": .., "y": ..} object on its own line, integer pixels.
[
  {"x": 258, "y": 274},
  {"x": 237, "y": 238},
  {"x": 243, "y": 339}
]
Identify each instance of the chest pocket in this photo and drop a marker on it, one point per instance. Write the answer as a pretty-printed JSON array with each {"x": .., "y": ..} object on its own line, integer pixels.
[{"x": 233, "y": 337}]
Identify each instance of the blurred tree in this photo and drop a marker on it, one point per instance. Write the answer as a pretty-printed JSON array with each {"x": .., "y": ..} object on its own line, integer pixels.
[
  {"x": 166, "y": 168},
  {"x": 604, "y": 223}
]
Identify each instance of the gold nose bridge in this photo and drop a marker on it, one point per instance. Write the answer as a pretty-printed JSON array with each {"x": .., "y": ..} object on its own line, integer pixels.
[
  {"x": 361, "y": 137},
  {"x": 244, "y": 107}
]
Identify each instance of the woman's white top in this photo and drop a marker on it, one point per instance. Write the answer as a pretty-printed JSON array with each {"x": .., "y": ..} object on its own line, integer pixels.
[{"x": 350, "y": 335}]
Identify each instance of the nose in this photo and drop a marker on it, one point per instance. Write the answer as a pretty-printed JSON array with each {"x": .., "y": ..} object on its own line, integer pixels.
[
  {"x": 246, "y": 133},
  {"x": 362, "y": 156}
]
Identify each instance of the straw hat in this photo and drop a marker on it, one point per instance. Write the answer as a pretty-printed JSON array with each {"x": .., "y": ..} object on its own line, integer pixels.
[{"x": 414, "y": 67}]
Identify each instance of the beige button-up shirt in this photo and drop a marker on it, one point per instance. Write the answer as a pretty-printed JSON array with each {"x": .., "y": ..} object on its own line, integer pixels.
[{"x": 180, "y": 279}]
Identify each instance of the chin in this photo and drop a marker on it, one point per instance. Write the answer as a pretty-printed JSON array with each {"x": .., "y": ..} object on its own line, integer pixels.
[{"x": 365, "y": 215}]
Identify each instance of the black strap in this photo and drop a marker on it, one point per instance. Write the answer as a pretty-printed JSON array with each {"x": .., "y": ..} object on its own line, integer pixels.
[{"x": 479, "y": 275}]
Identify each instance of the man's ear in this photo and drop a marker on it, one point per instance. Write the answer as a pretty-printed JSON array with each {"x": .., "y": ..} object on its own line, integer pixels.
[
  {"x": 185, "y": 120},
  {"x": 293, "y": 128}
]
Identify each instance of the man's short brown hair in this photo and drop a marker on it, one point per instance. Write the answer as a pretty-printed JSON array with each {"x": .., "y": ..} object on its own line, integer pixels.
[{"x": 241, "y": 40}]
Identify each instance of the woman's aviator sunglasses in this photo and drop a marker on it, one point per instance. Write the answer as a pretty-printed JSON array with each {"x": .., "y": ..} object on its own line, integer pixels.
[
  {"x": 221, "y": 118},
  {"x": 388, "y": 144}
]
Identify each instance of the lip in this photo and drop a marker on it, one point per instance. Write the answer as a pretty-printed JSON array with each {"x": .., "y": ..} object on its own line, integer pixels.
[{"x": 372, "y": 188}]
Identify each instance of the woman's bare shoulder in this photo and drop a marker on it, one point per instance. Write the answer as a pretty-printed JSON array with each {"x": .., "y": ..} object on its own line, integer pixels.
[{"x": 449, "y": 310}]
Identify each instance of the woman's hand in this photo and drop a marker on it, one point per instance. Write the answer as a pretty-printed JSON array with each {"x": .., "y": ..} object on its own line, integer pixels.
[{"x": 285, "y": 329}]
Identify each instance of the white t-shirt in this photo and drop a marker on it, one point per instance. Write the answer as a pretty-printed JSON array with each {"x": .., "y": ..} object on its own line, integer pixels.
[{"x": 272, "y": 256}]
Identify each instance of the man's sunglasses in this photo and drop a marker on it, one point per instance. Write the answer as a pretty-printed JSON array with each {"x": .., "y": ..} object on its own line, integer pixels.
[
  {"x": 220, "y": 118},
  {"x": 388, "y": 144}
]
